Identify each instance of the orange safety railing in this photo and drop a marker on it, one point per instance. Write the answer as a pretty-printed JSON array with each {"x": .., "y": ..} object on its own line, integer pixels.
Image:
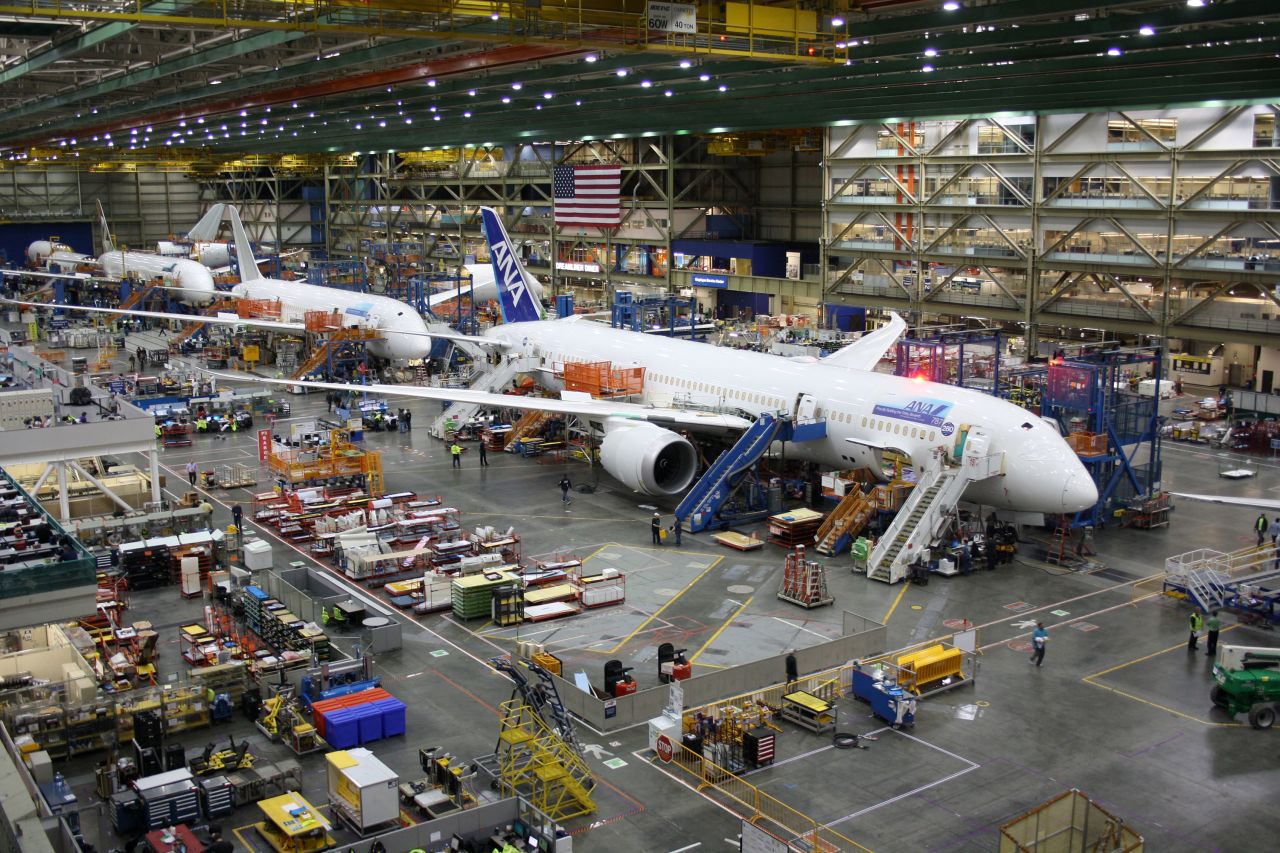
[
  {"x": 260, "y": 308},
  {"x": 601, "y": 379},
  {"x": 322, "y": 322}
]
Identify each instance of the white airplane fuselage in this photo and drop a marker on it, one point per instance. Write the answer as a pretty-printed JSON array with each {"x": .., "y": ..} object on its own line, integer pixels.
[
  {"x": 211, "y": 255},
  {"x": 863, "y": 410},
  {"x": 193, "y": 278},
  {"x": 405, "y": 334}
]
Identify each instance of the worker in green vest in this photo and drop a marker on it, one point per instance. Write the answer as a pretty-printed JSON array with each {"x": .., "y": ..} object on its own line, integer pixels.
[
  {"x": 1196, "y": 624},
  {"x": 456, "y": 452}
]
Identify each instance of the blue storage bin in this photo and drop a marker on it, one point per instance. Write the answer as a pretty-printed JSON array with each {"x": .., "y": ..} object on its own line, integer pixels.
[{"x": 370, "y": 722}]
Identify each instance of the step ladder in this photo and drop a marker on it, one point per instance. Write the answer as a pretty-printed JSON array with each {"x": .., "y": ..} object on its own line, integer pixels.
[
  {"x": 523, "y": 428},
  {"x": 701, "y": 506},
  {"x": 534, "y": 763},
  {"x": 1206, "y": 589},
  {"x": 542, "y": 696},
  {"x": 804, "y": 582},
  {"x": 493, "y": 381},
  {"x": 844, "y": 523},
  {"x": 136, "y": 297}
]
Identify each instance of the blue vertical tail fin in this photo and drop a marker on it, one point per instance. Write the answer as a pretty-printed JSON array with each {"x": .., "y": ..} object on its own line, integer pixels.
[{"x": 515, "y": 287}]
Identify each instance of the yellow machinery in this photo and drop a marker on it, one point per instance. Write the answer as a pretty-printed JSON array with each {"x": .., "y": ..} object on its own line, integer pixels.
[
  {"x": 534, "y": 762},
  {"x": 340, "y": 458},
  {"x": 928, "y": 666},
  {"x": 214, "y": 760}
]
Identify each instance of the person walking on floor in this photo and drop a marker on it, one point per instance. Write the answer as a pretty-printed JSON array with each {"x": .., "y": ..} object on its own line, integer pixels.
[
  {"x": 484, "y": 455},
  {"x": 192, "y": 468},
  {"x": 655, "y": 527},
  {"x": 1214, "y": 625},
  {"x": 408, "y": 420},
  {"x": 1260, "y": 526},
  {"x": 1195, "y": 623},
  {"x": 456, "y": 452},
  {"x": 237, "y": 517},
  {"x": 565, "y": 486},
  {"x": 1039, "y": 639},
  {"x": 793, "y": 671}
]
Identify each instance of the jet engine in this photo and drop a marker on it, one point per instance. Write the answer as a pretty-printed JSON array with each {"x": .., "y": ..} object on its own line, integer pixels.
[{"x": 648, "y": 458}]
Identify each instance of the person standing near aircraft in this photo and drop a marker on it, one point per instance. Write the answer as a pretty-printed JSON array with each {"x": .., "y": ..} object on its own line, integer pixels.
[
  {"x": 655, "y": 527},
  {"x": 1260, "y": 526},
  {"x": 455, "y": 450}
]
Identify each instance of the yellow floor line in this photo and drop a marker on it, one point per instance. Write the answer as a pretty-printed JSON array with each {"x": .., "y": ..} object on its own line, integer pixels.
[
  {"x": 690, "y": 585},
  {"x": 720, "y": 630},
  {"x": 894, "y": 606},
  {"x": 1088, "y": 679}
]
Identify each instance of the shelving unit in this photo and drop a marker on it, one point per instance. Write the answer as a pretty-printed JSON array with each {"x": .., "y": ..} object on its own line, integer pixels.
[
  {"x": 797, "y": 527},
  {"x": 473, "y": 596}
]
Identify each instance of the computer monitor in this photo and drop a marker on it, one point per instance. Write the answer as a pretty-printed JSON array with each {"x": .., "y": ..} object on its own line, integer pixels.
[
  {"x": 520, "y": 829},
  {"x": 534, "y": 843}
]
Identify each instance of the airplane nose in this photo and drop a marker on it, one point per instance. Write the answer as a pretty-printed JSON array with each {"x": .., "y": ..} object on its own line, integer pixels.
[{"x": 1079, "y": 493}]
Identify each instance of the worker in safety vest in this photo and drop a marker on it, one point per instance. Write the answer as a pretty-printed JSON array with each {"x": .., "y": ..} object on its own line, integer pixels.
[
  {"x": 1195, "y": 623},
  {"x": 456, "y": 452}
]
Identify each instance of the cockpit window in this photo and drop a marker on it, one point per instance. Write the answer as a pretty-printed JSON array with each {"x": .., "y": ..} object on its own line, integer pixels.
[{"x": 1027, "y": 425}]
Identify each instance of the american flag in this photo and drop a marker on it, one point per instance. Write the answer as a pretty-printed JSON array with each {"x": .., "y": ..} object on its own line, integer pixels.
[{"x": 588, "y": 195}]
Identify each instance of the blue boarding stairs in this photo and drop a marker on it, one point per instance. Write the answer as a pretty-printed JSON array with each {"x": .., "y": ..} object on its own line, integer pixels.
[{"x": 728, "y": 493}]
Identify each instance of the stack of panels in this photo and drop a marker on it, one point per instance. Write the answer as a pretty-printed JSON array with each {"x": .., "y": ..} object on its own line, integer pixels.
[{"x": 472, "y": 596}]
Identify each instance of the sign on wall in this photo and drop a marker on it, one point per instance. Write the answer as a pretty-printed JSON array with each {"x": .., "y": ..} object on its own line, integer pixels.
[{"x": 672, "y": 17}]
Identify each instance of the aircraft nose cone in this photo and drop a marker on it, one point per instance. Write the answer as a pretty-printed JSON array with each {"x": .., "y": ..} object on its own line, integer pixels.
[{"x": 1078, "y": 493}]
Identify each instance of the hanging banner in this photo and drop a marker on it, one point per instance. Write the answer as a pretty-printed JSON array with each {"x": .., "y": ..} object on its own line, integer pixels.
[
  {"x": 264, "y": 445},
  {"x": 673, "y": 17}
]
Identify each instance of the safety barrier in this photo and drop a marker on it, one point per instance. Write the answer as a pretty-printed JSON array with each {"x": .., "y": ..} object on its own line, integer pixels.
[
  {"x": 738, "y": 795},
  {"x": 1146, "y": 587}
]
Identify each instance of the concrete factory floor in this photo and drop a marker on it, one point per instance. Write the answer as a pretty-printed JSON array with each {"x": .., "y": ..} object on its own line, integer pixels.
[{"x": 1120, "y": 709}]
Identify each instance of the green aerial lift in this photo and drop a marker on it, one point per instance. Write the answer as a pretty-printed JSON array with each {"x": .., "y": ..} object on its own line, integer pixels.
[{"x": 1248, "y": 681}]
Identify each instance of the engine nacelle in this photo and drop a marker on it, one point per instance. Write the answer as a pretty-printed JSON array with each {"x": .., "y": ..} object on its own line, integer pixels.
[{"x": 648, "y": 458}]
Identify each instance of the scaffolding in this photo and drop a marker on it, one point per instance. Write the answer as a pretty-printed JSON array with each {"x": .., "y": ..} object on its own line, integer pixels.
[
  {"x": 602, "y": 379},
  {"x": 1114, "y": 431},
  {"x": 537, "y": 764},
  {"x": 336, "y": 460}
]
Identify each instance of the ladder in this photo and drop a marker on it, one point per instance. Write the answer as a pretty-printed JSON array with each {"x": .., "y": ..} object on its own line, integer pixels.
[
  {"x": 540, "y": 696},
  {"x": 804, "y": 582},
  {"x": 701, "y": 504},
  {"x": 844, "y": 523},
  {"x": 136, "y": 297}
]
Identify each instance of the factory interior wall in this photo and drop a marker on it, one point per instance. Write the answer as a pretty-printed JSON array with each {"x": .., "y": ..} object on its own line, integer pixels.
[{"x": 16, "y": 236}]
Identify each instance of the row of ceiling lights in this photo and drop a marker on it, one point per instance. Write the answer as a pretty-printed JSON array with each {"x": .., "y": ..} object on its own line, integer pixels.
[{"x": 929, "y": 53}]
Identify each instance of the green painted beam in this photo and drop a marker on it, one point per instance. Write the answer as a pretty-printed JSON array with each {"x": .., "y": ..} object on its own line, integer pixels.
[
  {"x": 936, "y": 19},
  {"x": 255, "y": 82},
  {"x": 84, "y": 41}
]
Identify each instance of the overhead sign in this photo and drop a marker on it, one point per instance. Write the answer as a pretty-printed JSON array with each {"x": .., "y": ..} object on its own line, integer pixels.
[
  {"x": 919, "y": 410},
  {"x": 704, "y": 280},
  {"x": 665, "y": 748},
  {"x": 673, "y": 17},
  {"x": 577, "y": 266}
]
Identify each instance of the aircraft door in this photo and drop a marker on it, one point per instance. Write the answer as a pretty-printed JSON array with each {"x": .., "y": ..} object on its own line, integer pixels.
[{"x": 806, "y": 408}]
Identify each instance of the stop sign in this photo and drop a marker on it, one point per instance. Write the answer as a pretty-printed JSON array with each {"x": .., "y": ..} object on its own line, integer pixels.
[{"x": 665, "y": 749}]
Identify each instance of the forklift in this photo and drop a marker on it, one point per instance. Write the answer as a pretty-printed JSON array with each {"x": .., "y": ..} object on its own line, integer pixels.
[{"x": 1248, "y": 681}]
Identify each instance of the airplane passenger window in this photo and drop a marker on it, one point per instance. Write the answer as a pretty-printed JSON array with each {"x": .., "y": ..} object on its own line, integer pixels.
[
  {"x": 1027, "y": 426},
  {"x": 864, "y": 421},
  {"x": 913, "y": 432},
  {"x": 931, "y": 435}
]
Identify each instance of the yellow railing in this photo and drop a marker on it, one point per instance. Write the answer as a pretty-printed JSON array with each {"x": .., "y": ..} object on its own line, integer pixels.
[
  {"x": 763, "y": 810},
  {"x": 749, "y": 28}
]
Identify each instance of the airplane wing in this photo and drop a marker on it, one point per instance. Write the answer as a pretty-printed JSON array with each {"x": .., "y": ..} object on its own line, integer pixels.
[
  {"x": 221, "y": 319},
  {"x": 63, "y": 275},
  {"x": 1259, "y": 503},
  {"x": 863, "y": 353},
  {"x": 583, "y": 405}
]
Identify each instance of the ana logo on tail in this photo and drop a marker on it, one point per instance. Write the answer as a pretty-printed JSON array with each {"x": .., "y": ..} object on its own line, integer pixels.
[{"x": 514, "y": 297}]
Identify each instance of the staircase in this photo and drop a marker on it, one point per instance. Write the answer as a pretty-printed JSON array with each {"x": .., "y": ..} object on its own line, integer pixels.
[
  {"x": 523, "y": 428},
  {"x": 338, "y": 338},
  {"x": 1206, "y": 589},
  {"x": 493, "y": 381},
  {"x": 701, "y": 504},
  {"x": 136, "y": 297},
  {"x": 931, "y": 503},
  {"x": 844, "y": 523}
]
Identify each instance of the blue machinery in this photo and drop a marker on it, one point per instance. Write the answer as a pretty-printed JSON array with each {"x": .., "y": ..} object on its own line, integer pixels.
[
  {"x": 729, "y": 492},
  {"x": 1089, "y": 393},
  {"x": 644, "y": 314},
  {"x": 337, "y": 678}
]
